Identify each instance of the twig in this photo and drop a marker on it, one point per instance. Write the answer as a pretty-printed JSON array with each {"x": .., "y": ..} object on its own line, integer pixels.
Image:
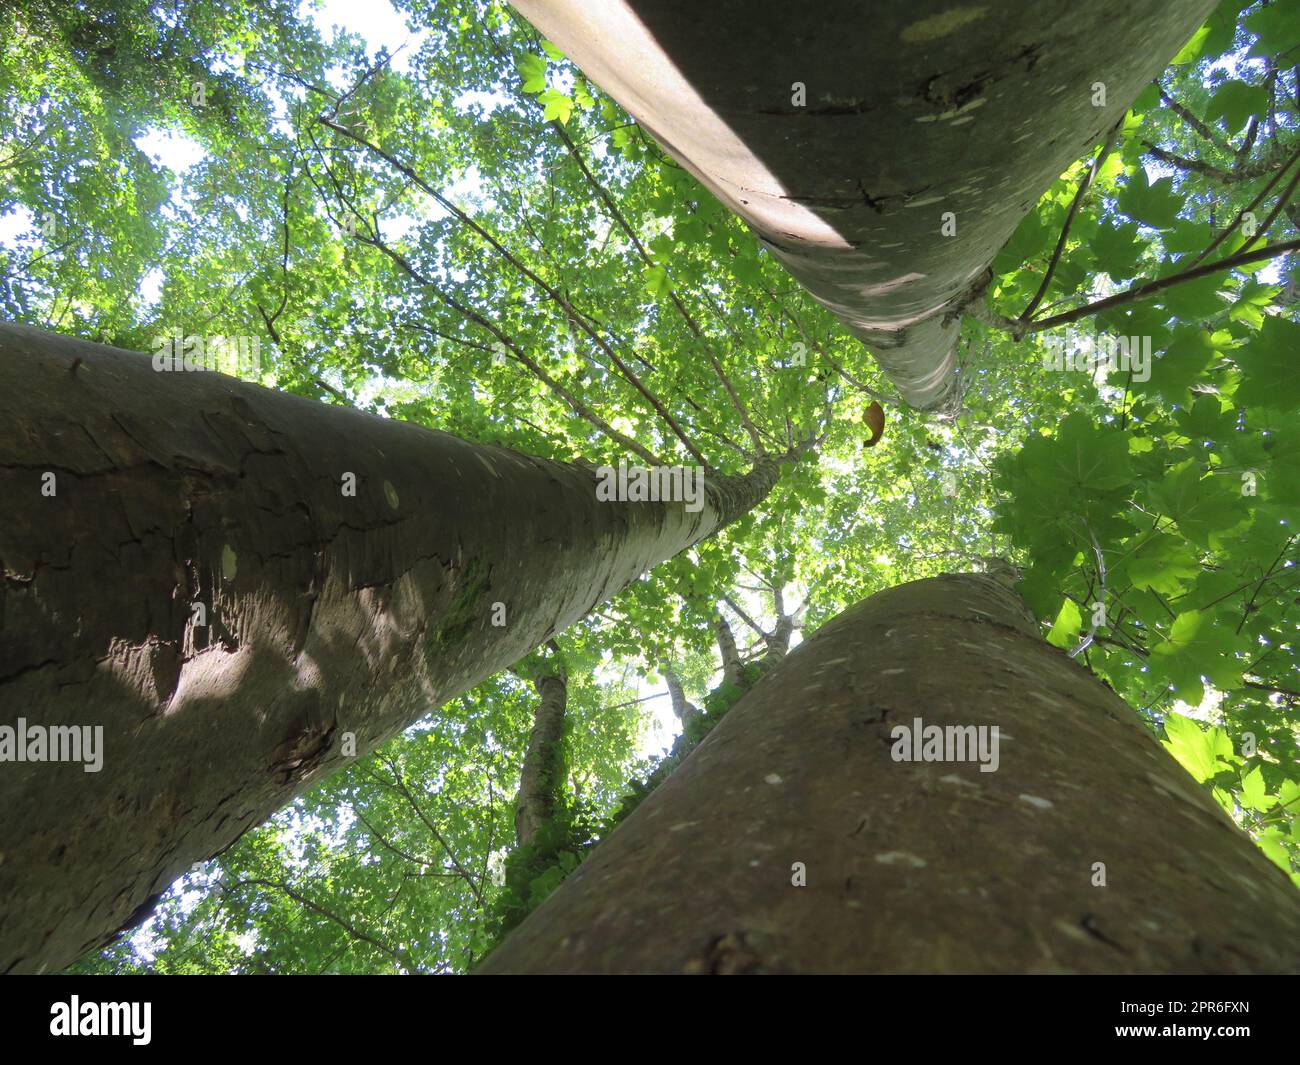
[
  {"x": 1101, "y": 597},
  {"x": 1150, "y": 288},
  {"x": 1084, "y": 185}
]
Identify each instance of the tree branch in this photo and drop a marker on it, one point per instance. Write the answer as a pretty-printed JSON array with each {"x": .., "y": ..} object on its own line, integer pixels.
[
  {"x": 419, "y": 812},
  {"x": 1201, "y": 128},
  {"x": 528, "y": 272},
  {"x": 517, "y": 352},
  {"x": 1084, "y": 185},
  {"x": 1248, "y": 208},
  {"x": 396, "y": 954},
  {"x": 1150, "y": 288}
]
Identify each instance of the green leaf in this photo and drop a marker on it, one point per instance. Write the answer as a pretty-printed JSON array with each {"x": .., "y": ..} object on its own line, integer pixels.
[
  {"x": 1277, "y": 27},
  {"x": 1208, "y": 419},
  {"x": 1155, "y": 205},
  {"x": 1270, "y": 366},
  {"x": 1234, "y": 103},
  {"x": 1271, "y": 843},
  {"x": 1065, "y": 630},
  {"x": 558, "y": 105},
  {"x": 1188, "y": 236},
  {"x": 1197, "y": 648},
  {"x": 1084, "y": 456},
  {"x": 1281, "y": 478},
  {"x": 656, "y": 281},
  {"x": 1162, "y": 565},
  {"x": 1203, "y": 753},
  {"x": 1030, "y": 240},
  {"x": 1117, "y": 249},
  {"x": 1182, "y": 364},
  {"x": 532, "y": 69},
  {"x": 1191, "y": 51},
  {"x": 1204, "y": 506},
  {"x": 1254, "y": 795}
]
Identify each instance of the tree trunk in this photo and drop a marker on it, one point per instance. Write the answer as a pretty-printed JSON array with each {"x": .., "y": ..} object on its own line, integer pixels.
[
  {"x": 183, "y": 567},
  {"x": 915, "y": 866},
  {"x": 910, "y": 110},
  {"x": 731, "y": 664},
  {"x": 541, "y": 778},
  {"x": 683, "y": 709},
  {"x": 778, "y": 642}
]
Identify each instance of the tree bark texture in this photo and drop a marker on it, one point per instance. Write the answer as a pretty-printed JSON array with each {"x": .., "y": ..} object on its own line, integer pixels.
[
  {"x": 540, "y": 779},
  {"x": 911, "y": 110},
  {"x": 915, "y": 866},
  {"x": 200, "y": 585}
]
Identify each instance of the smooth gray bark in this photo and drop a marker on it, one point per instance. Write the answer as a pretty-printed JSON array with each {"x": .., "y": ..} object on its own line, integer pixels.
[
  {"x": 912, "y": 109},
  {"x": 327, "y": 615},
  {"x": 927, "y": 866}
]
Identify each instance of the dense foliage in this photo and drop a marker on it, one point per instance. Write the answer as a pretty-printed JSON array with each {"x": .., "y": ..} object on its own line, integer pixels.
[{"x": 469, "y": 235}]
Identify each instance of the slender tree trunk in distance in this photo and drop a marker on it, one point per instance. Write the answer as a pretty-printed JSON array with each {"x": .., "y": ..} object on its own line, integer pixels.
[
  {"x": 731, "y": 664},
  {"x": 683, "y": 709},
  {"x": 882, "y": 152},
  {"x": 921, "y": 866},
  {"x": 187, "y": 564},
  {"x": 778, "y": 643},
  {"x": 540, "y": 779}
]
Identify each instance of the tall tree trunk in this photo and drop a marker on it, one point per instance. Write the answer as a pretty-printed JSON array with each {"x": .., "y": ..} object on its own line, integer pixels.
[
  {"x": 182, "y": 565},
  {"x": 922, "y": 866},
  {"x": 908, "y": 111},
  {"x": 683, "y": 709},
  {"x": 541, "y": 778},
  {"x": 731, "y": 664},
  {"x": 778, "y": 642}
]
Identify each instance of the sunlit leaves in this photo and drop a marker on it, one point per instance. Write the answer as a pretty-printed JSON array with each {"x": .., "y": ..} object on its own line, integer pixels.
[
  {"x": 558, "y": 105},
  {"x": 532, "y": 71},
  {"x": 1204, "y": 753},
  {"x": 656, "y": 281},
  {"x": 1197, "y": 647},
  {"x": 1065, "y": 630}
]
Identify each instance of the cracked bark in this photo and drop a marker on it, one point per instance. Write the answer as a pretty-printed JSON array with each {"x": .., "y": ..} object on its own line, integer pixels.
[
  {"x": 921, "y": 866},
  {"x": 326, "y": 614},
  {"x": 919, "y": 109}
]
